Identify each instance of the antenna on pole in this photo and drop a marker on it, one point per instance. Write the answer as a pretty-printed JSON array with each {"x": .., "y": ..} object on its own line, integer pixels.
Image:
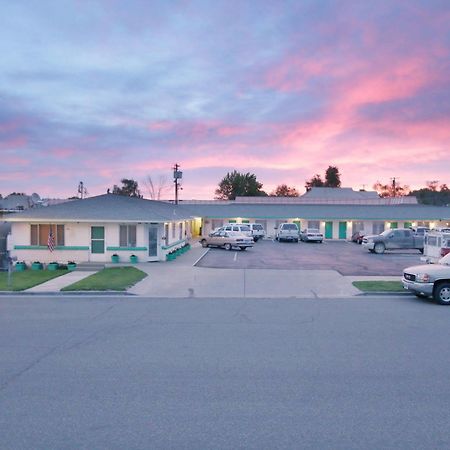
[
  {"x": 82, "y": 190},
  {"x": 177, "y": 175}
]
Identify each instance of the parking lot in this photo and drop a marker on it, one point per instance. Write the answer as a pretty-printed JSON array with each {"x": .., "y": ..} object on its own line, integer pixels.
[{"x": 347, "y": 258}]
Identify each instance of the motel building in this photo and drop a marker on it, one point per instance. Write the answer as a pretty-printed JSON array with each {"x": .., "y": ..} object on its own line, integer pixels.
[{"x": 96, "y": 228}]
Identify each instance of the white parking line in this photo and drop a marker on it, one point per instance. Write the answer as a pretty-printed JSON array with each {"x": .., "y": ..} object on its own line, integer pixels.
[{"x": 235, "y": 256}]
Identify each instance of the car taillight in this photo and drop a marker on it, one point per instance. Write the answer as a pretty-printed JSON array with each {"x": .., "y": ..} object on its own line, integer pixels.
[{"x": 444, "y": 251}]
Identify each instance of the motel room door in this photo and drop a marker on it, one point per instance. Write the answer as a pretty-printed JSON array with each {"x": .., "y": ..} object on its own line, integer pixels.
[{"x": 153, "y": 242}]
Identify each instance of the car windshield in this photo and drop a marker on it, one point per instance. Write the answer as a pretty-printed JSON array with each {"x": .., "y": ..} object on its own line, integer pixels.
[
  {"x": 289, "y": 226},
  {"x": 257, "y": 227}
]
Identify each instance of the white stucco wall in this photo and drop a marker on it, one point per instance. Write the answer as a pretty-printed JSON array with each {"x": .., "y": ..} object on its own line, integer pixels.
[{"x": 79, "y": 235}]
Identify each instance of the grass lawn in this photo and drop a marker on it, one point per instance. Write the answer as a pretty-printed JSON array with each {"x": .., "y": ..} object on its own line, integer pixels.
[
  {"x": 111, "y": 279},
  {"x": 379, "y": 286},
  {"x": 27, "y": 279}
]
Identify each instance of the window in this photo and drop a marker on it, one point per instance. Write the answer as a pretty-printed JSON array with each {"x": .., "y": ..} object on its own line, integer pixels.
[
  {"x": 173, "y": 229},
  {"x": 357, "y": 226},
  {"x": 39, "y": 234},
  {"x": 180, "y": 231},
  {"x": 127, "y": 236}
]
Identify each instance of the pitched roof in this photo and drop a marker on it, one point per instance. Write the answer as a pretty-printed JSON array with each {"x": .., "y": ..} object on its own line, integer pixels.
[{"x": 105, "y": 208}]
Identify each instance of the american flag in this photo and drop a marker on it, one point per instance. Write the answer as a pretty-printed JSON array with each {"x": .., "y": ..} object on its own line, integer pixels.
[{"x": 51, "y": 241}]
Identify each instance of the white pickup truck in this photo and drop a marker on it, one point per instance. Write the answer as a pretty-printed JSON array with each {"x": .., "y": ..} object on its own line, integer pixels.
[
  {"x": 430, "y": 280},
  {"x": 288, "y": 232}
]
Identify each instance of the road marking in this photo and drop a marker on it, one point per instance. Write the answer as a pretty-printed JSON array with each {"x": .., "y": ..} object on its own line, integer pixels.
[{"x": 235, "y": 256}]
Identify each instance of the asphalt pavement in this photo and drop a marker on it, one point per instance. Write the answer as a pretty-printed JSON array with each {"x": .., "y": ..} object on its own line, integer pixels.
[{"x": 138, "y": 373}]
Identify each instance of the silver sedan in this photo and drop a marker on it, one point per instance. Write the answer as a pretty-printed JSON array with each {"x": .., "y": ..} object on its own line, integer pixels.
[{"x": 227, "y": 240}]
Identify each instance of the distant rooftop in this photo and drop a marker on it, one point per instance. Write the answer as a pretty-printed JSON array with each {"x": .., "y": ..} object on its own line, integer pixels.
[{"x": 332, "y": 196}]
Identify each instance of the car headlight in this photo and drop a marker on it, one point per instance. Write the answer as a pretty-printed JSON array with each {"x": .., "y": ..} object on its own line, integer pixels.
[{"x": 423, "y": 278}]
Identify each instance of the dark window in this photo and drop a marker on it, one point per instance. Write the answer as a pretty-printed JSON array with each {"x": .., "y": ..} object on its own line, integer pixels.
[
  {"x": 40, "y": 232},
  {"x": 127, "y": 236}
]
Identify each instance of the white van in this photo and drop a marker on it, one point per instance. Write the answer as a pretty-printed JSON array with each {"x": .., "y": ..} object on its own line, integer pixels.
[{"x": 242, "y": 228}]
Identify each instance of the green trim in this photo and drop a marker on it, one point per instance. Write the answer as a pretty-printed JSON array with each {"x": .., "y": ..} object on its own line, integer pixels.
[
  {"x": 124, "y": 249},
  {"x": 44, "y": 247},
  {"x": 166, "y": 247}
]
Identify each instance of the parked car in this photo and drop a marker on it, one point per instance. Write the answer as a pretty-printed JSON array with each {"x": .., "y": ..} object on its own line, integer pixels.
[
  {"x": 430, "y": 280},
  {"x": 227, "y": 240},
  {"x": 358, "y": 237},
  {"x": 311, "y": 235},
  {"x": 287, "y": 232},
  {"x": 399, "y": 238},
  {"x": 242, "y": 228},
  {"x": 258, "y": 231}
]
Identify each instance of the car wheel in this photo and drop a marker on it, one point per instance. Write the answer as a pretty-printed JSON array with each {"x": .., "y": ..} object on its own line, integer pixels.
[
  {"x": 227, "y": 246},
  {"x": 441, "y": 294},
  {"x": 379, "y": 248},
  {"x": 255, "y": 238},
  {"x": 421, "y": 250},
  {"x": 296, "y": 240},
  {"x": 204, "y": 243},
  {"x": 243, "y": 248}
]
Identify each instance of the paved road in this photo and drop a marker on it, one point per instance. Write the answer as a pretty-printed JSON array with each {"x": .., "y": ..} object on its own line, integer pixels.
[
  {"x": 345, "y": 257},
  {"x": 123, "y": 372}
]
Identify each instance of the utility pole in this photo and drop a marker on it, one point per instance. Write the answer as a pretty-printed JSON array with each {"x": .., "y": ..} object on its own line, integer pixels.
[{"x": 177, "y": 175}]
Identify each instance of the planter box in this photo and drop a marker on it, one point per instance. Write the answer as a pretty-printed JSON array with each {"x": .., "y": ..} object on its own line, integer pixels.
[
  {"x": 115, "y": 258},
  {"x": 71, "y": 266},
  {"x": 52, "y": 266},
  {"x": 36, "y": 266},
  {"x": 20, "y": 267},
  {"x": 133, "y": 259}
]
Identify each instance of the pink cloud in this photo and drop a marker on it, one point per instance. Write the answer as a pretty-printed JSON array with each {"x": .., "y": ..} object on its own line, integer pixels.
[
  {"x": 13, "y": 143},
  {"x": 293, "y": 73}
]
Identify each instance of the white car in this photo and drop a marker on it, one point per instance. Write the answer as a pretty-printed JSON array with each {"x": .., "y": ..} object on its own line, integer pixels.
[{"x": 311, "y": 235}]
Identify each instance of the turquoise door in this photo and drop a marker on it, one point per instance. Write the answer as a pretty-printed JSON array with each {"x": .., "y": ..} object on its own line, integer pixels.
[
  {"x": 97, "y": 239},
  {"x": 328, "y": 230},
  {"x": 342, "y": 230}
]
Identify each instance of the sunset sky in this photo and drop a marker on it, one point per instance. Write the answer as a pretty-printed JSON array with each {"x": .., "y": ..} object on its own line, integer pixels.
[{"x": 96, "y": 91}]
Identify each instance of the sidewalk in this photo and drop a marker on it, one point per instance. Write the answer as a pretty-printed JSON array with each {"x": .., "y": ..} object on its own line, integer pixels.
[{"x": 56, "y": 284}]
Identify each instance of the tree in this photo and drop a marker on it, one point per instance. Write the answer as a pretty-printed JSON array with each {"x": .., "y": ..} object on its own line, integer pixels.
[
  {"x": 238, "y": 184},
  {"x": 431, "y": 195},
  {"x": 283, "y": 190},
  {"x": 391, "y": 190},
  {"x": 332, "y": 177},
  {"x": 156, "y": 188},
  {"x": 315, "y": 181},
  {"x": 129, "y": 188}
]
